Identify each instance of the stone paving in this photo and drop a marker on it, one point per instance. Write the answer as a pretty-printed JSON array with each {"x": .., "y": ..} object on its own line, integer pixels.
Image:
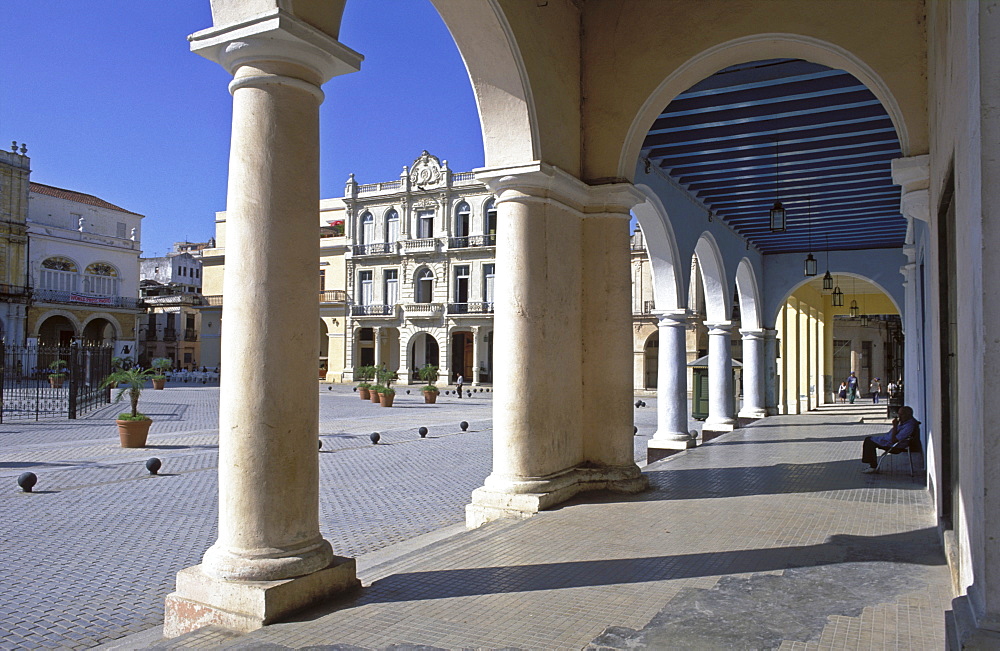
[{"x": 767, "y": 537}]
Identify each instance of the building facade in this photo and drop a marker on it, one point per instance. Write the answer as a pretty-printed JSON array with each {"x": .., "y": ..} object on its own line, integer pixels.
[
  {"x": 170, "y": 286},
  {"x": 14, "y": 285}
]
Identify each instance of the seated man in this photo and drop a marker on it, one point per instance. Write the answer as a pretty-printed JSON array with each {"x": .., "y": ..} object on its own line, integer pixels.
[{"x": 903, "y": 428}]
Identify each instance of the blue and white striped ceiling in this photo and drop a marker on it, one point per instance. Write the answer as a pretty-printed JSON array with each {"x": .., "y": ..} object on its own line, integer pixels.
[{"x": 834, "y": 145}]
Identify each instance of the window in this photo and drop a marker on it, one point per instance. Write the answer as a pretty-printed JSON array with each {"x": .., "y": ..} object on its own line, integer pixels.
[
  {"x": 425, "y": 223},
  {"x": 462, "y": 220},
  {"x": 391, "y": 286},
  {"x": 367, "y": 228},
  {"x": 121, "y": 231},
  {"x": 59, "y": 273},
  {"x": 488, "y": 272},
  {"x": 392, "y": 226},
  {"x": 100, "y": 278},
  {"x": 425, "y": 286},
  {"x": 491, "y": 220},
  {"x": 365, "y": 287},
  {"x": 462, "y": 283}
]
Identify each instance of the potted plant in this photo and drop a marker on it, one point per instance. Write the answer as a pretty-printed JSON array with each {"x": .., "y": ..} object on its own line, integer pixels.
[
  {"x": 386, "y": 393},
  {"x": 160, "y": 367},
  {"x": 373, "y": 392},
  {"x": 133, "y": 428},
  {"x": 364, "y": 373},
  {"x": 58, "y": 374},
  {"x": 429, "y": 374}
]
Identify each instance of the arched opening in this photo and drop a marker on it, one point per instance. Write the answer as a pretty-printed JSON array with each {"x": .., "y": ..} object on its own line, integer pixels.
[
  {"x": 423, "y": 350},
  {"x": 99, "y": 331},
  {"x": 462, "y": 359},
  {"x": 462, "y": 219},
  {"x": 367, "y": 234},
  {"x": 59, "y": 273},
  {"x": 651, "y": 358},
  {"x": 391, "y": 226},
  {"x": 424, "y": 290},
  {"x": 101, "y": 278},
  {"x": 388, "y": 349},
  {"x": 324, "y": 349},
  {"x": 364, "y": 353},
  {"x": 56, "y": 330},
  {"x": 490, "y": 228}
]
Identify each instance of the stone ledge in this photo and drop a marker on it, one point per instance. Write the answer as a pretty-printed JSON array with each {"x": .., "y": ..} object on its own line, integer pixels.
[{"x": 244, "y": 606}]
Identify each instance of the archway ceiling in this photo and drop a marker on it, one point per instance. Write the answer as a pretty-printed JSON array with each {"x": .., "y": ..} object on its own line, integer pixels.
[{"x": 834, "y": 143}]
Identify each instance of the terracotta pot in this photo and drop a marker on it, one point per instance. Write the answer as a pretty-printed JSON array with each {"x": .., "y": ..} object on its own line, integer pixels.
[
  {"x": 56, "y": 382},
  {"x": 386, "y": 399},
  {"x": 159, "y": 384},
  {"x": 430, "y": 397},
  {"x": 374, "y": 397},
  {"x": 133, "y": 433},
  {"x": 364, "y": 393}
]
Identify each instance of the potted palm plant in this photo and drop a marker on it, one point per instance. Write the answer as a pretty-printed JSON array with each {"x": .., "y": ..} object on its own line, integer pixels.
[
  {"x": 364, "y": 373},
  {"x": 133, "y": 427},
  {"x": 58, "y": 374},
  {"x": 429, "y": 374},
  {"x": 160, "y": 367},
  {"x": 386, "y": 393}
]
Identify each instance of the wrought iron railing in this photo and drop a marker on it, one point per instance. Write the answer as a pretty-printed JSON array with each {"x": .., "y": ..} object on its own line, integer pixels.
[
  {"x": 190, "y": 334},
  {"x": 373, "y": 310},
  {"x": 28, "y": 393},
  {"x": 470, "y": 308},
  {"x": 467, "y": 241},
  {"x": 59, "y": 296},
  {"x": 169, "y": 334}
]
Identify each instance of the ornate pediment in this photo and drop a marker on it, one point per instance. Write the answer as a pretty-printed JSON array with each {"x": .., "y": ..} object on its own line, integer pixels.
[{"x": 428, "y": 172}]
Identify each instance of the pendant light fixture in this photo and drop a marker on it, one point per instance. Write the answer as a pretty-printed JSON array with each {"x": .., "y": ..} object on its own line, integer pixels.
[
  {"x": 864, "y": 314},
  {"x": 855, "y": 310},
  {"x": 827, "y": 278},
  {"x": 838, "y": 297},
  {"x": 777, "y": 210},
  {"x": 810, "y": 264}
]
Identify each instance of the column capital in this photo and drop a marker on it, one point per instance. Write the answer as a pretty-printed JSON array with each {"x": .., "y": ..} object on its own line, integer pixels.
[
  {"x": 538, "y": 181},
  {"x": 753, "y": 334},
  {"x": 276, "y": 36},
  {"x": 671, "y": 318},
  {"x": 720, "y": 328}
]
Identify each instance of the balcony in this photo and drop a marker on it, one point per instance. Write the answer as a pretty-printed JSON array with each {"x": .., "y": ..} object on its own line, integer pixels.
[
  {"x": 421, "y": 245},
  {"x": 373, "y": 310},
  {"x": 472, "y": 241},
  {"x": 647, "y": 307},
  {"x": 333, "y": 296},
  {"x": 14, "y": 293},
  {"x": 470, "y": 308},
  {"x": 423, "y": 310},
  {"x": 77, "y": 298},
  {"x": 169, "y": 334},
  {"x": 190, "y": 334},
  {"x": 379, "y": 248}
]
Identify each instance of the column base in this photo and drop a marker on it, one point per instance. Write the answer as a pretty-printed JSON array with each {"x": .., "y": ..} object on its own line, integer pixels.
[
  {"x": 771, "y": 411},
  {"x": 720, "y": 425},
  {"x": 201, "y": 600},
  {"x": 752, "y": 413},
  {"x": 507, "y": 499}
]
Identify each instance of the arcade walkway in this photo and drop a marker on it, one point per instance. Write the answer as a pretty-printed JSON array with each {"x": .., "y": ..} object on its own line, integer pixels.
[{"x": 767, "y": 537}]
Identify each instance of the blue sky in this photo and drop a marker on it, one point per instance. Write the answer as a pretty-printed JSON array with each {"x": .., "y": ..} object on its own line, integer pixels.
[{"x": 111, "y": 102}]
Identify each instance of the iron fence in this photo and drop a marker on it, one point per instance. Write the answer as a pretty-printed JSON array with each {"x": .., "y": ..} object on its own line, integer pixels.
[{"x": 27, "y": 392}]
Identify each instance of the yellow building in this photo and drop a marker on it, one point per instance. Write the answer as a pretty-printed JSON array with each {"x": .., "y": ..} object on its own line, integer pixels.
[{"x": 14, "y": 291}]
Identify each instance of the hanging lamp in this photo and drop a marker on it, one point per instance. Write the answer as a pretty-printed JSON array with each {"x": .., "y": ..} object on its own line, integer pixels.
[
  {"x": 777, "y": 210},
  {"x": 855, "y": 310},
  {"x": 827, "y": 278},
  {"x": 838, "y": 297},
  {"x": 810, "y": 263}
]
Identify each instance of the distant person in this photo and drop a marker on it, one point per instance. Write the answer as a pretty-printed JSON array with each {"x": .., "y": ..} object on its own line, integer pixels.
[
  {"x": 842, "y": 393},
  {"x": 876, "y": 388},
  {"x": 852, "y": 387},
  {"x": 904, "y": 428},
  {"x": 459, "y": 383}
]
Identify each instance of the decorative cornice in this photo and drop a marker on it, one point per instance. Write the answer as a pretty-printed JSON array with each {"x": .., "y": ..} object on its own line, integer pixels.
[{"x": 912, "y": 174}]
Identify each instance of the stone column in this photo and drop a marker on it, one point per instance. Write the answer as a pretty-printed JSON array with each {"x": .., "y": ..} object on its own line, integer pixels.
[
  {"x": 270, "y": 558},
  {"x": 671, "y": 392},
  {"x": 539, "y": 449},
  {"x": 475, "y": 355},
  {"x": 770, "y": 372},
  {"x": 377, "y": 337},
  {"x": 753, "y": 374},
  {"x": 721, "y": 416}
]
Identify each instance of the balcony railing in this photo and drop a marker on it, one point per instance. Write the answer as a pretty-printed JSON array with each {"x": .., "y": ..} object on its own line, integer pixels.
[
  {"x": 470, "y": 308},
  {"x": 421, "y": 245},
  {"x": 14, "y": 292},
  {"x": 379, "y": 248},
  {"x": 423, "y": 310},
  {"x": 333, "y": 296},
  {"x": 169, "y": 334},
  {"x": 647, "y": 307},
  {"x": 215, "y": 300},
  {"x": 469, "y": 241},
  {"x": 464, "y": 176},
  {"x": 58, "y": 296},
  {"x": 190, "y": 334},
  {"x": 373, "y": 310},
  {"x": 379, "y": 187}
]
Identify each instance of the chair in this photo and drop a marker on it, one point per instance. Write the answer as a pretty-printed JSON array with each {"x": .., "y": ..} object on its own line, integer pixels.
[{"x": 909, "y": 446}]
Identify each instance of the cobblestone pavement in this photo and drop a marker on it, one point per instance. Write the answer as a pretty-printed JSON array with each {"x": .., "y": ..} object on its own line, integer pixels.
[
  {"x": 89, "y": 556},
  {"x": 767, "y": 537}
]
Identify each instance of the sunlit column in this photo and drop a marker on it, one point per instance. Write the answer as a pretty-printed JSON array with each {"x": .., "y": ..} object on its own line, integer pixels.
[
  {"x": 753, "y": 374},
  {"x": 721, "y": 415},
  {"x": 770, "y": 372},
  {"x": 475, "y": 355},
  {"x": 671, "y": 385}
]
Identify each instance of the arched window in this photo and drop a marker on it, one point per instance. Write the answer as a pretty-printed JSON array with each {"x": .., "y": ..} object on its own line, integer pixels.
[
  {"x": 367, "y": 228},
  {"x": 100, "y": 278},
  {"x": 462, "y": 219},
  {"x": 59, "y": 273},
  {"x": 392, "y": 226},
  {"x": 491, "y": 222},
  {"x": 425, "y": 286}
]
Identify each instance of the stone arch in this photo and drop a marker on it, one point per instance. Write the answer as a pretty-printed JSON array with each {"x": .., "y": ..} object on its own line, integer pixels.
[
  {"x": 107, "y": 317},
  {"x": 101, "y": 329},
  {"x": 713, "y": 277},
  {"x": 753, "y": 48},
  {"x": 499, "y": 80},
  {"x": 661, "y": 247},
  {"x": 77, "y": 326},
  {"x": 749, "y": 295},
  {"x": 774, "y": 310}
]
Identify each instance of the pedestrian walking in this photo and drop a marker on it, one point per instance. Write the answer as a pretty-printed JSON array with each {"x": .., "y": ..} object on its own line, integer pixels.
[
  {"x": 842, "y": 393},
  {"x": 852, "y": 387},
  {"x": 459, "y": 383},
  {"x": 876, "y": 389}
]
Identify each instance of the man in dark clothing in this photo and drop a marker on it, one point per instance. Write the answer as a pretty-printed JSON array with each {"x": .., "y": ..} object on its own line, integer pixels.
[{"x": 903, "y": 429}]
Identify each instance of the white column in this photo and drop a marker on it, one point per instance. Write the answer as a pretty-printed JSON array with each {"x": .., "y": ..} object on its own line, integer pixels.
[
  {"x": 377, "y": 336},
  {"x": 475, "y": 355},
  {"x": 720, "y": 378},
  {"x": 671, "y": 386},
  {"x": 770, "y": 372},
  {"x": 540, "y": 447},
  {"x": 269, "y": 558},
  {"x": 753, "y": 374}
]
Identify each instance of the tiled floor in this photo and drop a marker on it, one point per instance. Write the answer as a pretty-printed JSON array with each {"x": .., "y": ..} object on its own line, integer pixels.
[{"x": 768, "y": 537}]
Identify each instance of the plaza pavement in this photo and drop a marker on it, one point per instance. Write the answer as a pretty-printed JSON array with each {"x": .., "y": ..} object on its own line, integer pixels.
[{"x": 769, "y": 537}]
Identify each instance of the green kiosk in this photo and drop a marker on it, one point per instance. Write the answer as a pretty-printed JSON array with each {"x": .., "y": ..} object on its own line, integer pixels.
[{"x": 699, "y": 401}]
